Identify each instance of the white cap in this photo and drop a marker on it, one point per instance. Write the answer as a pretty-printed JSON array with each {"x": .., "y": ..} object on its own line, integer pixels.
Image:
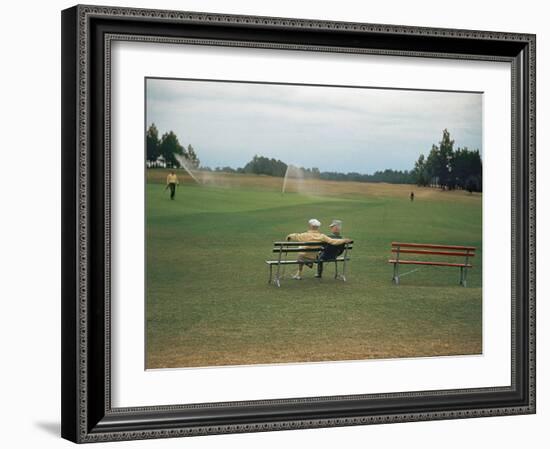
[{"x": 314, "y": 222}]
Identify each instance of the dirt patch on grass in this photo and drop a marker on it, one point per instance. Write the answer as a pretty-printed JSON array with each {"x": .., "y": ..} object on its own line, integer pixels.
[{"x": 334, "y": 351}]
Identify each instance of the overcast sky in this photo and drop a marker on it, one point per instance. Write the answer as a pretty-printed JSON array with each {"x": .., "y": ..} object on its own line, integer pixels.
[{"x": 332, "y": 128}]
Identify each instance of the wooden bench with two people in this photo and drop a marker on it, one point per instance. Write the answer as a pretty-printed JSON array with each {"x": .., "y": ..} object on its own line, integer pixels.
[
  {"x": 311, "y": 248},
  {"x": 403, "y": 255}
]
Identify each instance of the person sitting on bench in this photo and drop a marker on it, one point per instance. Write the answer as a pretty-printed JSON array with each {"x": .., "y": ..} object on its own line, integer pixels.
[
  {"x": 330, "y": 252},
  {"x": 311, "y": 235}
]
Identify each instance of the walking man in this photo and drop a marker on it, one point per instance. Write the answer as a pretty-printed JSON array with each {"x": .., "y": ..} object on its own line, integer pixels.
[{"x": 171, "y": 183}]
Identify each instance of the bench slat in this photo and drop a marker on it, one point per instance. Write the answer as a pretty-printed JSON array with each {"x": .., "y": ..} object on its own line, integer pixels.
[
  {"x": 434, "y": 246},
  {"x": 423, "y": 262},
  {"x": 290, "y": 243},
  {"x": 436, "y": 253},
  {"x": 295, "y": 262},
  {"x": 302, "y": 250}
]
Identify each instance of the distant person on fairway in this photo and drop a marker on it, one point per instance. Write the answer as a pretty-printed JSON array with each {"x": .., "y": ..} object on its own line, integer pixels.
[
  {"x": 411, "y": 196},
  {"x": 311, "y": 235},
  {"x": 171, "y": 183},
  {"x": 330, "y": 252}
]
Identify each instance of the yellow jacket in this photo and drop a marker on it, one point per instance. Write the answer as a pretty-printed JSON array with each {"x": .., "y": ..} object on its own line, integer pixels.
[
  {"x": 172, "y": 179},
  {"x": 313, "y": 236}
]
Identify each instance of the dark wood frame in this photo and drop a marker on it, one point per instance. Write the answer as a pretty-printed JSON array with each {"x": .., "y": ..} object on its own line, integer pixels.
[{"x": 87, "y": 32}]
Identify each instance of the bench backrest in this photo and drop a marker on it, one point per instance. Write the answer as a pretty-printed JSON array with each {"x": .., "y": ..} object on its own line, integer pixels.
[
  {"x": 304, "y": 247},
  {"x": 430, "y": 249}
]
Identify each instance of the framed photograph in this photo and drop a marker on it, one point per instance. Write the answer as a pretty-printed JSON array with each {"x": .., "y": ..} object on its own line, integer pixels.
[{"x": 275, "y": 223}]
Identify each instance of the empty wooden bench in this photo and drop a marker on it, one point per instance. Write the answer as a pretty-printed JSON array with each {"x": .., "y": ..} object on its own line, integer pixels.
[
  {"x": 286, "y": 253},
  {"x": 403, "y": 252}
]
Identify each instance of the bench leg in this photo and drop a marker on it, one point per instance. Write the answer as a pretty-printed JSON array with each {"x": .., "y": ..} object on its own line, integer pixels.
[
  {"x": 337, "y": 274},
  {"x": 344, "y": 270},
  {"x": 278, "y": 275},
  {"x": 463, "y": 272},
  {"x": 395, "y": 278},
  {"x": 277, "y": 279}
]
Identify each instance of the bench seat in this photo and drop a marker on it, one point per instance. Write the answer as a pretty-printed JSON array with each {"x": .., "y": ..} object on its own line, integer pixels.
[
  {"x": 430, "y": 249},
  {"x": 291, "y": 249},
  {"x": 295, "y": 262},
  {"x": 425, "y": 262}
]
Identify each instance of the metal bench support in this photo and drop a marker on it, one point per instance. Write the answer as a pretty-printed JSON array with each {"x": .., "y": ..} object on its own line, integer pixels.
[
  {"x": 464, "y": 272},
  {"x": 343, "y": 277},
  {"x": 395, "y": 277},
  {"x": 278, "y": 275}
]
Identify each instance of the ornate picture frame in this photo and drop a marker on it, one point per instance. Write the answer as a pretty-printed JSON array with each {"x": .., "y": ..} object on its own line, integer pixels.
[{"x": 87, "y": 35}]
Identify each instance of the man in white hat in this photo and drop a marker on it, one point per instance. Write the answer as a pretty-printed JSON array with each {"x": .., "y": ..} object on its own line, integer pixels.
[{"x": 312, "y": 235}]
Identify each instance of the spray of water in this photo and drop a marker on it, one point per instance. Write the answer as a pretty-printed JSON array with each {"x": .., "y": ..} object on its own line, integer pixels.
[
  {"x": 186, "y": 164},
  {"x": 294, "y": 175},
  {"x": 211, "y": 178}
]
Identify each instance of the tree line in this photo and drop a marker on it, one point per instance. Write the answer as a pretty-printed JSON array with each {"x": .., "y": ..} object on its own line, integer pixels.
[
  {"x": 168, "y": 147},
  {"x": 261, "y": 165},
  {"x": 444, "y": 167},
  {"x": 388, "y": 175},
  {"x": 448, "y": 168}
]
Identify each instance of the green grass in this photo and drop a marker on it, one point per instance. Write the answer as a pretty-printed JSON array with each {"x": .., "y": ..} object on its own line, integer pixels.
[{"x": 208, "y": 301}]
